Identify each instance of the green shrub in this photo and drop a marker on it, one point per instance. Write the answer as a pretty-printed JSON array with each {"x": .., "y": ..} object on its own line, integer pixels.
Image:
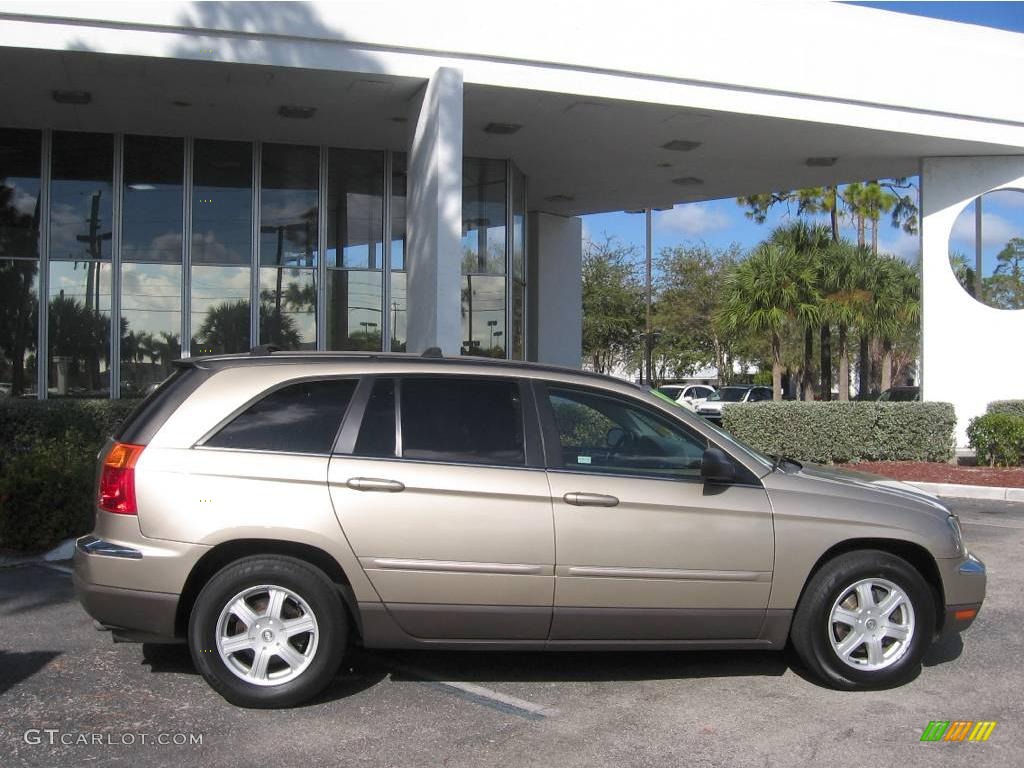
[
  {"x": 47, "y": 467},
  {"x": 825, "y": 432},
  {"x": 1013, "y": 407},
  {"x": 998, "y": 438}
]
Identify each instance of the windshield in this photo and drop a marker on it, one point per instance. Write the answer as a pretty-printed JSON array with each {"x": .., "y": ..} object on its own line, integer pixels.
[{"x": 729, "y": 394}]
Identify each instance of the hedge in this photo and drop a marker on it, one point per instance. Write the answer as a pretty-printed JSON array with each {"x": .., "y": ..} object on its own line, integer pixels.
[
  {"x": 1012, "y": 407},
  {"x": 998, "y": 438},
  {"x": 826, "y": 432},
  {"x": 47, "y": 467}
]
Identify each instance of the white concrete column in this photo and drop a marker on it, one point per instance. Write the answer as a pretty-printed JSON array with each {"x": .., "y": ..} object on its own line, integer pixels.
[
  {"x": 555, "y": 291},
  {"x": 434, "y": 215},
  {"x": 970, "y": 351}
]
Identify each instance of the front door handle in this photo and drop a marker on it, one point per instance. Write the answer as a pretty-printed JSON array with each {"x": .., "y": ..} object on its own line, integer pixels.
[
  {"x": 580, "y": 499},
  {"x": 374, "y": 484}
]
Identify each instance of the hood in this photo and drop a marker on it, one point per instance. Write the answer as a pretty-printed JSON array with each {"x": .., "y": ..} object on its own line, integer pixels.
[{"x": 849, "y": 484}]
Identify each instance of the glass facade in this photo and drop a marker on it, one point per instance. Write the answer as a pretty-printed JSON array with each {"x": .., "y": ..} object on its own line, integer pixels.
[
  {"x": 20, "y": 175},
  {"x": 204, "y": 246}
]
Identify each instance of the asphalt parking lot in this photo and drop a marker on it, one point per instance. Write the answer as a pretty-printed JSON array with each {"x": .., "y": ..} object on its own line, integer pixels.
[{"x": 69, "y": 696}]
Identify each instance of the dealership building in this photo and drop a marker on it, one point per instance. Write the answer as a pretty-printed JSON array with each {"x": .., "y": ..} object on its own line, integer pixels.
[{"x": 397, "y": 176}]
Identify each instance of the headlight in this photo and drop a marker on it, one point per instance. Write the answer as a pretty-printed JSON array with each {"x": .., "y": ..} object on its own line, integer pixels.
[{"x": 958, "y": 535}]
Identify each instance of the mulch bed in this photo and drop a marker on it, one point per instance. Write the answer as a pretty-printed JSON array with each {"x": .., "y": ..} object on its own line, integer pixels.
[{"x": 935, "y": 472}]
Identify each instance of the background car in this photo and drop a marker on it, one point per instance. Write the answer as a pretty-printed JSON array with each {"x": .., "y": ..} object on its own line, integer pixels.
[
  {"x": 712, "y": 407},
  {"x": 690, "y": 396}
]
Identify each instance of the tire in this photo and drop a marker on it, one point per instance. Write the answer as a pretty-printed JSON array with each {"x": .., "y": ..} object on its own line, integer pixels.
[
  {"x": 268, "y": 631},
  {"x": 865, "y": 621}
]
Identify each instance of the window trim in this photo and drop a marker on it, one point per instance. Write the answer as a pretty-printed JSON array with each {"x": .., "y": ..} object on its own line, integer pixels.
[
  {"x": 553, "y": 443},
  {"x": 264, "y": 393}
]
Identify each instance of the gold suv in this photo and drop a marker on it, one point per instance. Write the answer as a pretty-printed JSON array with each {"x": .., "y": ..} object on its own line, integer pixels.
[{"x": 270, "y": 509}]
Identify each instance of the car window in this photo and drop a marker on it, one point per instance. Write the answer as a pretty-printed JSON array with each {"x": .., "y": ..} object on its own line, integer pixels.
[
  {"x": 377, "y": 432},
  {"x": 298, "y": 418},
  {"x": 672, "y": 392},
  {"x": 600, "y": 433},
  {"x": 476, "y": 421}
]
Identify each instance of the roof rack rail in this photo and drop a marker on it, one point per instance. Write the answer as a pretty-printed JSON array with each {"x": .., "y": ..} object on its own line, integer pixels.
[
  {"x": 432, "y": 352},
  {"x": 262, "y": 350}
]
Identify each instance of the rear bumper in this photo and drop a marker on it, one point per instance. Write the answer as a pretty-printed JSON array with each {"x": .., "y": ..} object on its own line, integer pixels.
[
  {"x": 150, "y": 612},
  {"x": 127, "y": 581}
]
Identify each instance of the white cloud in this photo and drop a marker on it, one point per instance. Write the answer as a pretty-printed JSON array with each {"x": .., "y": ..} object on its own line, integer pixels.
[
  {"x": 693, "y": 219},
  {"x": 899, "y": 243},
  {"x": 994, "y": 227}
]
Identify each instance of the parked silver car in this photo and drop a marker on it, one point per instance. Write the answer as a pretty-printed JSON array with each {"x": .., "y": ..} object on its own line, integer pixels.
[{"x": 272, "y": 509}]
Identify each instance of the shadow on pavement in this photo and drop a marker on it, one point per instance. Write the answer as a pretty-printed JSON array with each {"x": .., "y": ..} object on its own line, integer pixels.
[
  {"x": 16, "y": 666},
  {"x": 945, "y": 649}
]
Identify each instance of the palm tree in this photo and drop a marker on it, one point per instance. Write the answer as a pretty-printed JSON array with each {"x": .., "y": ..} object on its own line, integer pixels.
[
  {"x": 809, "y": 242},
  {"x": 895, "y": 306},
  {"x": 843, "y": 284},
  {"x": 772, "y": 287}
]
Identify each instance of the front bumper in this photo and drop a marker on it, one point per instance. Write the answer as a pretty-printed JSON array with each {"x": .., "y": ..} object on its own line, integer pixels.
[{"x": 964, "y": 580}]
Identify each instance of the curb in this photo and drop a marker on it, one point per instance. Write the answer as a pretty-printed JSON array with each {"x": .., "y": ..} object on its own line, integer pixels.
[{"x": 987, "y": 492}]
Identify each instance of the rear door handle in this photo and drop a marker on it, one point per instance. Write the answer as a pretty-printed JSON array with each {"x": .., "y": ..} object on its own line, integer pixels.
[
  {"x": 580, "y": 499},
  {"x": 374, "y": 484}
]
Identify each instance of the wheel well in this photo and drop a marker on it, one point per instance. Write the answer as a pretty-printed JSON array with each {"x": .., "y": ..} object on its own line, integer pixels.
[
  {"x": 916, "y": 555},
  {"x": 226, "y": 553}
]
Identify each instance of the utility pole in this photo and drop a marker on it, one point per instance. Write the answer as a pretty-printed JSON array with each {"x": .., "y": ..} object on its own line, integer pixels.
[{"x": 648, "y": 339}]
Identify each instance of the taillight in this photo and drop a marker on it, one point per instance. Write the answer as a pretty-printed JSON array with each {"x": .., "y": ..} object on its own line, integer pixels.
[{"x": 117, "y": 480}]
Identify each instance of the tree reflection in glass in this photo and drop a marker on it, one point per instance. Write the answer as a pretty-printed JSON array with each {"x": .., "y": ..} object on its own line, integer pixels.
[{"x": 79, "y": 328}]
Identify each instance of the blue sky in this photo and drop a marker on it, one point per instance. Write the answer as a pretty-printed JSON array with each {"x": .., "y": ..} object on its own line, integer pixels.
[{"x": 720, "y": 223}]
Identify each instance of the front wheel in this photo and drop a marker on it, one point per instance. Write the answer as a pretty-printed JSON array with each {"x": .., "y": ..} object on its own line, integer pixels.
[
  {"x": 268, "y": 631},
  {"x": 865, "y": 621}
]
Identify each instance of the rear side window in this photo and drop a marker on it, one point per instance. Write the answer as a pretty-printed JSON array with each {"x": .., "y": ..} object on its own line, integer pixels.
[
  {"x": 377, "y": 432},
  {"x": 476, "y": 421},
  {"x": 298, "y": 418}
]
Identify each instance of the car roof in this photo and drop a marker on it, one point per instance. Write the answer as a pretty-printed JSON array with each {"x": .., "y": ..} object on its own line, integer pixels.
[{"x": 260, "y": 356}]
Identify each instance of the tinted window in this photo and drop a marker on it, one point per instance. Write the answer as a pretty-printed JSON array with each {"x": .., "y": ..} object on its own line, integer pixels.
[
  {"x": 612, "y": 436},
  {"x": 377, "y": 432},
  {"x": 300, "y": 418},
  {"x": 464, "y": 420}
]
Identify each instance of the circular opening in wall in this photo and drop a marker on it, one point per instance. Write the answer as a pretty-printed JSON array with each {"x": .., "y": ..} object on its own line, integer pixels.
[{"x": 986, "y": 249}]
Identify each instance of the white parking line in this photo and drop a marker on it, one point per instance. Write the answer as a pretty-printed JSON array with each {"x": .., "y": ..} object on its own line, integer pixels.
[{"x": 485, "y": 696}]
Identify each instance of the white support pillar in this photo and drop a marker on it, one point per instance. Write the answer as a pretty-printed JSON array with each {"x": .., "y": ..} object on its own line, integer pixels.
[
  {"x": 434, "y": 216},
  {"x": 969, "y": 350},
  {"x": 555, "y": 292}
]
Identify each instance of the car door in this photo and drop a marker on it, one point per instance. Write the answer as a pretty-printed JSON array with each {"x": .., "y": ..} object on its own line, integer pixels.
[
  {"x": 645, "y": 549},
  {"x": 443, "y": 496}
]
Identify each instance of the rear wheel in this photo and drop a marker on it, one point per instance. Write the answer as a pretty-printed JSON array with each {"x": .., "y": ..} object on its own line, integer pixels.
[
  {"x": 865, "y": 621},
  {"x": 268, "y": 631}
]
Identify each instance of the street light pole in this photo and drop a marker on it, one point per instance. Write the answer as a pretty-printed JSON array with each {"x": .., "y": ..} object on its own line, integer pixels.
[{"x": 647, "y": 330}]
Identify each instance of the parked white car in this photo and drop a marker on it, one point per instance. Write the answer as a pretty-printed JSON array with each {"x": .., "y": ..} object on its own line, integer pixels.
[
  {"x": 690, "y": 396},
  {"x": 712, "y": 407}
]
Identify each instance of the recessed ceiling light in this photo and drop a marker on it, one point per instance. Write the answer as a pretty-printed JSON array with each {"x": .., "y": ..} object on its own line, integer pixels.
[
  {"x": 821, "y": 162},
  {"x": 681, "y": 145},
  {"x": 502, "y": 129},
  {"x": 688, "y": 181},
  {"x": 293, "y": 112},
  {"x": 399, "y": 119},
  {"x": 180, "y": 103},
  {"x": 559, "y": 198},
  {"x": 141, "y": 187},
  {"x": 664, "y": 165},
  {"x": 72, "y": 97}
]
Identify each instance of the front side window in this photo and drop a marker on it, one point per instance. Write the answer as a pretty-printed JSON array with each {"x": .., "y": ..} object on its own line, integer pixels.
[
  {"x": 474, "y": 421},
  {"x": 598, "y": 433},
  {"x": 298, "y": 418}
]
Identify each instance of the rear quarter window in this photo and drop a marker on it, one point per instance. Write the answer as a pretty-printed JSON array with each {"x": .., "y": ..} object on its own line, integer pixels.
[{"x": 303, "y": 417}]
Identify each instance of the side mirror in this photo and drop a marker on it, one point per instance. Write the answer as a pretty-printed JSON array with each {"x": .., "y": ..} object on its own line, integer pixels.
[{"x": 716, "y": 466}]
